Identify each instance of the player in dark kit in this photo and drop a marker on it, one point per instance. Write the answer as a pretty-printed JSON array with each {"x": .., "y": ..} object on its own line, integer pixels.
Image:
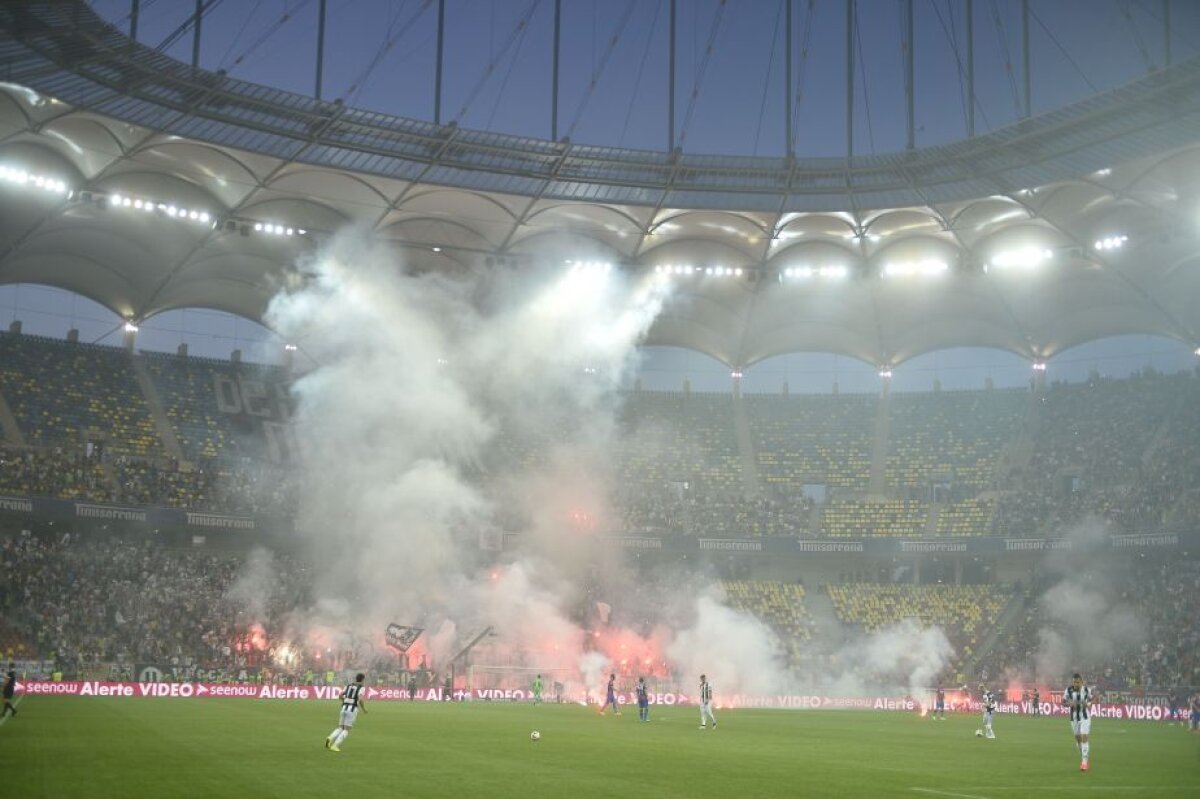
[
  {"x": 610, "y": 696},
  {"x": 1036, "y": 698},
  {"x": 939, "y": 705},
  {"x": 10, "y": 686},
  {"x": 643, "y": 700}
]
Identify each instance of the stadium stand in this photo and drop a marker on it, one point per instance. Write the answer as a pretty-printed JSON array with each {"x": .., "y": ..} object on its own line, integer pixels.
[
  {"x": 189, "y": 389},
  {"x": 846, "y": 518},
  {"x": 957, "y": 464},
  {"x": 966, "y": 518},
  {"x": 1163, "y": 600},
  {"x": 53, "y": 473},
  {"x": 812, "y": 439},
  {"x": 955, "y": 437},
  {"x": 780, "y": 605},
  {"x": 72, "y": 394},
  {"x": 965, "y": 612}
]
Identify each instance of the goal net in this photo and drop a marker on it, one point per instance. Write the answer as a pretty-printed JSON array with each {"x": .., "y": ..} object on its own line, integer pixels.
[{"x": 515, "y": 683}]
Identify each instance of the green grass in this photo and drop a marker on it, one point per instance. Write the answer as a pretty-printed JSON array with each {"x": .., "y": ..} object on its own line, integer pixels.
[{"x": 74, "y": 747}]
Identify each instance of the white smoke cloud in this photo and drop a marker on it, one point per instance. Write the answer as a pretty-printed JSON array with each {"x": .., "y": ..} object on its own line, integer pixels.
[
  {"x": 1086, "y": 623},
  {"x": 736, "y": 650},
  {"x": 905, "y": 654},
  {"x": 255, "y": 586},
  {"x": 444, "y": 406}
]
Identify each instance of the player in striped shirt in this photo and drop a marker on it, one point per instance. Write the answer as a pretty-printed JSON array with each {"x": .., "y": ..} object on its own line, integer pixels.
[
  {"x": 643, "y": 700},
  {"x": 1078, "y": 699},
  {"x": 989, "y": 709},
  {"x": 706, "y": 713},
  {"x": 352, "y": 702}
]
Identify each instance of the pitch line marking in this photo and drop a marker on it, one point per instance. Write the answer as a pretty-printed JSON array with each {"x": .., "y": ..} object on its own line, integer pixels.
[
  {"x": 1085, "y": 787},
  {"x": 948, "y": 793}
]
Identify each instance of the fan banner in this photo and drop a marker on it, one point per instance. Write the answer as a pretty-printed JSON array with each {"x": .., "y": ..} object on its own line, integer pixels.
[{"x": 401, "y": 637}]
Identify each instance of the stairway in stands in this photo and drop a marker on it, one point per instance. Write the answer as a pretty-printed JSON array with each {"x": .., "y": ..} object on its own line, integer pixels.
[{"x": 162, "y": 425}]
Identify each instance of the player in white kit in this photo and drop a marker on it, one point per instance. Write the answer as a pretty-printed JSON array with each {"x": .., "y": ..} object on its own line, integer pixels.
[
  {"x": 352, "y": 702},
  {"x": 989, "y": 711},
  {"x": 706, "y": 713},
  {"x": 1078, "y": 699}
]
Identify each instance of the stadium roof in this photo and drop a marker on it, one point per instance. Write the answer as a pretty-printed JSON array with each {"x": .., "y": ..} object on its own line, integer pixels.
[{"x": 881, "y": 258}]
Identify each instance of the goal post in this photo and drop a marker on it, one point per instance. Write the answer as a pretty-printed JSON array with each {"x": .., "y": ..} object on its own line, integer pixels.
[{"x": 515, "y": 683}]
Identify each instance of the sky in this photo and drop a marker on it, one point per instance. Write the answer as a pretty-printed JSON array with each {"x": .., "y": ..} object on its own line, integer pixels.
[{"x": 730, "y": 99}]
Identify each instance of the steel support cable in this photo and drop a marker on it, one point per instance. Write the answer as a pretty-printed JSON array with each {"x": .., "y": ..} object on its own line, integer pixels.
[
  {"x": 507, "y": 76},
  {"x": 998, "y": 25},
  {"x": 801, "y": 72},
  {"x": 598, "y": 72},
  {"x": 128, "y": 15},
  {"x": 762, "y": 105},
  {"x": 1063, "y": 50},
  {"x": 241, "y": 30},
  {"x": 287, "y": 16},
  {"x": 948, "y": 30},
  {"x": 713, "y": 30},
  {"x": 862, "y": 70},
  {"x": 637, "y": 84},
  {"x": 396, "y": 31},
  {"x": 900, "y": 20},
  {"x": 187, "y": 25},
  {"x": 513, "y": 36},
  {"x": 1127, "y": 12}
]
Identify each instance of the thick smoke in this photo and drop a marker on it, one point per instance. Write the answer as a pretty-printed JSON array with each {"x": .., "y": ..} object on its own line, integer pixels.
[
  {"x": 1084, "y": 621},
  {"x": 255, "y": 587},
  {"x": 734, "y": 649},
  {"x": 904, "y": 654},
  {"x": 446, "y": 408}
]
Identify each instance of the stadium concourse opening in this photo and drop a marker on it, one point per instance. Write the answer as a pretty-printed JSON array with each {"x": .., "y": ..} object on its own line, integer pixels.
[{"x": 684, "y": 354}]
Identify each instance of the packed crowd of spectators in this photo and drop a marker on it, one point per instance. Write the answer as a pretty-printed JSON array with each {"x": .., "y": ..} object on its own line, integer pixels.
[
  {"x": 53, "y": 472},
  {"x": 92, "y": 605},
  {"x": 1156, "y": 643},
  {"x": 1125, "y": 452},
  {"x": 957, "y": 464}
]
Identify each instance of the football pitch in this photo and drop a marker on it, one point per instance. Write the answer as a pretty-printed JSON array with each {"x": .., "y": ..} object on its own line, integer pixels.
[{"x": 69, "y": 747}]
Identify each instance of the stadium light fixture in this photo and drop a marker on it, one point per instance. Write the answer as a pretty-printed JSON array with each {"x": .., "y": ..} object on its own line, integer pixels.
[
  {"x": 926, "y": 267},
  {"x": 119, "y": 200},
  {"x": 886, "y": 374},
  {"x": 24, "y": 178},
  {"x": 130, "y": 327},
  {"x": 290, "y": 347},
  {"x": 1111, "y": 242},
  {"x": 1039, "y": 366},
  {"x": 435, "y": 249},
  {"x": 828, "y": 272},
  {"x": 736, "y": 375},
  {"x": 1021, "y": 258}
]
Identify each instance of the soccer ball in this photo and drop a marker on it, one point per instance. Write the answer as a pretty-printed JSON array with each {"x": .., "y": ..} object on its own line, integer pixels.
[
  {"x": 978, "y": 733},
  {"x": 533, "y": 736}
]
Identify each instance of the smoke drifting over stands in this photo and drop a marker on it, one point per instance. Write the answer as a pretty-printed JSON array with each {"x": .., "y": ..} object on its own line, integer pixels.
[{"x": 460, "y": 458}]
